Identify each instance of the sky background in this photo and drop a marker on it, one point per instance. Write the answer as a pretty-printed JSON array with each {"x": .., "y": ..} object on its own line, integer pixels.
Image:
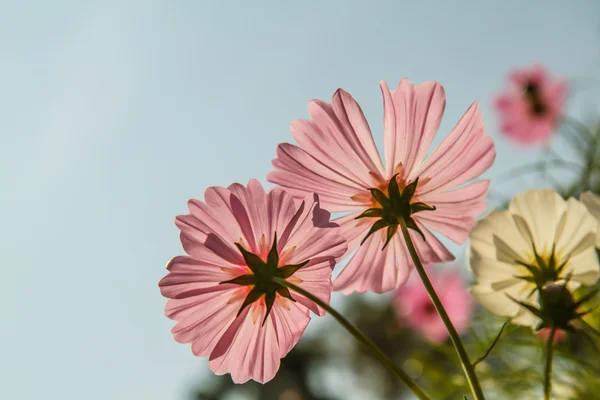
[{"x": 113, "y": 114}]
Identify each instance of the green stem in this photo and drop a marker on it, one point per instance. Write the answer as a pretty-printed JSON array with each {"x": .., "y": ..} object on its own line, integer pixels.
[
  {"x": 548, "y": 370},
  {"x": 458, "y": 345},
  {"x": 354, "y": 331}
]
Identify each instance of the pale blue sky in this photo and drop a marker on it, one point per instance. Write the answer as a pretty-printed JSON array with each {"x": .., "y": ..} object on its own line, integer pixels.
[{"x": 113, "y": 114}]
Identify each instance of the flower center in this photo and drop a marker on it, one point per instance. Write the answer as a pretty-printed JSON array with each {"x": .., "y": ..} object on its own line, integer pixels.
[
  {"x": 261, "y": 277},
  {"x": 395, "y": 206},
  {"x": 534, "y": 98},
  {"x": 544, "y": 269}
]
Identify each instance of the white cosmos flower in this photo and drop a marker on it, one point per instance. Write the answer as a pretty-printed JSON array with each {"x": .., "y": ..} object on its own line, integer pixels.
[
  {"x": 592, "y": 202},
  {"x": 540, "y": 238}
]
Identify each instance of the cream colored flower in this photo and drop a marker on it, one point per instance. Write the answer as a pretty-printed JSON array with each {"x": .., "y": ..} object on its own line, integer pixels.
[
  {"x": 541, "y": 238},
  {"x": 592, "y": 202}
]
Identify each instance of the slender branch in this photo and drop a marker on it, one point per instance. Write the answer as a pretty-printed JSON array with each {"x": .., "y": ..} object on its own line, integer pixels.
[
  {"x": 548, "y": 370},
  {"x": 458, "y": 345},
  {"x": 487, "y": 353},
  {"x": 354, "y": 331}
]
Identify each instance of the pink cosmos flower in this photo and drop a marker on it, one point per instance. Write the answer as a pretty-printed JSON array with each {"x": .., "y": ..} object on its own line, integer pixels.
[
  {"x": 414, "y": 306},
  {"x": 532, "y": 105},
  {"x": 336, "y": 157},
  {"x": 222, "y": 295}
]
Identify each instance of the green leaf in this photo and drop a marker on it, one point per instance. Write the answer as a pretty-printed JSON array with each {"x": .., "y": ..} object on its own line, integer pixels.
[
  {"x": 371, "y": 213},
  {"x": 374, "y": 228},
  {"x": 391, "y": 231}
]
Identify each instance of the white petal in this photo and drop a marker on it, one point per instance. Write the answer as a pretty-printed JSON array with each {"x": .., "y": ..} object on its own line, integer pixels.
[
  {"x": 542, "y": 210},
  {"x": 592, "y": 202},
  {"x": 497, "y": 237}
]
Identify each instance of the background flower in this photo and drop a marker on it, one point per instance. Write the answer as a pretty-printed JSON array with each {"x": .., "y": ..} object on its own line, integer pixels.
[
  {"x": 416, "y": 309},
  {"x": 540, "y": 238},
  {"x": 592, "y": 202},
  {"x": 244, "y": 325},
  {"x": 532, "y": 105},
  {"x": 337, "y": 158}
]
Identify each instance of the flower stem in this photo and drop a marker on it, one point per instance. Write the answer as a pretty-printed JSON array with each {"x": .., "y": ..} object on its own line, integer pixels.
[
  {"x": 548, "y": 370},
  {"x": 458, "y": 345},
  {"x": 354, "y": 331}
]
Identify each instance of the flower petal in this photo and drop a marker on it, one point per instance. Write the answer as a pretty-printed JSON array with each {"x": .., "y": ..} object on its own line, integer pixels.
[
  {"x": 455, "y": 211},
  {"x": 300, "y": 173},
  {"x": 412, "y": 116},
  {"x": 592, "y": 202},
  {"x": 250, "y": 350},
  {"x": 542, "y": 210},
  {"x": 463, "y": 155},
  {"x": 373, "y": 269}
]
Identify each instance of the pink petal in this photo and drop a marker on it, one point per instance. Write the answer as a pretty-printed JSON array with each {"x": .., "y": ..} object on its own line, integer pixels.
[
  {"x": 463, "y": 155},
  {"x": 412, "y": 116},
  {"x": 250, "y": 350},
  {"x": 300, "y": 173},
  {"x": 312, "y": 235},
  {"x": 455, "y": 210},
  {"x": 337, "y": 157},
  {"x": 354, "y": 230},
  {"x": 198, "y": 302},
  {"x": 430, "y": 250},
  {"x": 356, "y": 130},
  {"x": 373, "y": 269},
  {"x": 213, "y": 227}
]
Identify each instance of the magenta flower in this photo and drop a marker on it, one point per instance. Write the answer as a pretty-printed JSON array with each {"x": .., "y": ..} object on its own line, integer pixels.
[
  {"x": 222, "y": 295},
  {"x": 532, "y": 105},
  {"x": 414, "y": 306},
  {"x": 336, "y": 157}
]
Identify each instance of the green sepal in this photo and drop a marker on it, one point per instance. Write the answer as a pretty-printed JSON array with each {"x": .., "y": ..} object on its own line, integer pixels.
[
  {"x": 410, "y": 223},
  {"x": 380, "y": 197},
  {"x": 374, "y": 228},
  {"x": 253, "y": 261},
  {"x": 285, "y": 292},
  {"x": 409, "y": 191},
  {"x": 289, "y": 270},
  {"x": 252, "y": 296},
  {"x": 243, "y": 280},
  {"x": 371, "y": 213},
  {"x": 394, "y": 190},
  {"x": 269, "y": 301},
  {"x": 391, "y": 231},
  {"x": 273, "y": 256},
  {"x": 420, "y": 206}
]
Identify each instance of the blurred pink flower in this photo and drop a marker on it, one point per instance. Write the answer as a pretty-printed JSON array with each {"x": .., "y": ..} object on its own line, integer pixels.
[
  {"x": 532, "y": 105},
  {"x": 221, "y": 295},
  {"x": 336, "y": 157},
  {"x": 414, "y": 306},
  {"x": 544, "y": 334}
]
